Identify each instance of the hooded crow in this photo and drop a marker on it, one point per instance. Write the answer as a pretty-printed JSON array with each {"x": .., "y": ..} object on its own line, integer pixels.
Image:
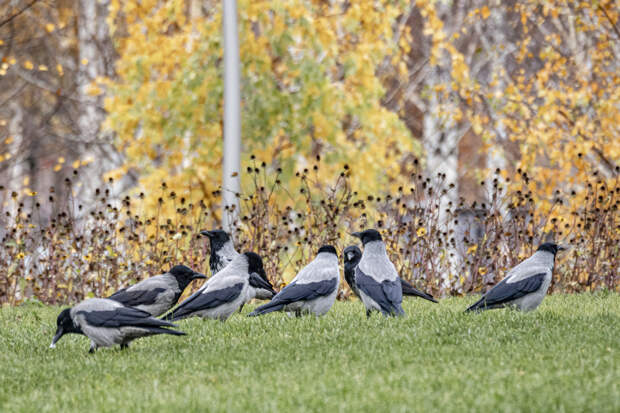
[
  {"x": 107, "y": 323},
  {"x": 157, "y": 294},
  {"x": 222, "y": 249},
  {"x": 353, "y": 255},
  {"x": 376, "y": 278},
  {"x": 313, "y": 290},
  {"x": 225, "y": 292},
  {"x": 525, "y": 286},
  {"x": 223, "y": 252}
]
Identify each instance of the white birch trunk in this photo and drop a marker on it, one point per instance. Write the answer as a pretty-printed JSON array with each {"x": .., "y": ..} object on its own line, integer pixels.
[{"x": 17, "y": 171}]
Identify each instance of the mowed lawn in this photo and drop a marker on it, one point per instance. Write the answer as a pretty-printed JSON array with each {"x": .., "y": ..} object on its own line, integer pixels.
[{"x": 563, "y": 357}]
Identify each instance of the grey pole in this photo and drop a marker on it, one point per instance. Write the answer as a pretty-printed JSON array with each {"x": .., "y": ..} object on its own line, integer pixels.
[{"x": 232, "y": 116}]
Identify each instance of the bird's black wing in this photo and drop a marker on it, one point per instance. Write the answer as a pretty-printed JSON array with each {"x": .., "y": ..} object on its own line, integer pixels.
[
  {"x": 388, "y": 294},
  {"x": 297, "y": 292},
  {"x": 410, "y": 290},
  {"x": 134, "y": 298},
  {"x": 123, "y": 317},
  {"x": 306, "y": 292},
  {"x": 505, "y": 292},
  {"x": 204, "y": 300}
]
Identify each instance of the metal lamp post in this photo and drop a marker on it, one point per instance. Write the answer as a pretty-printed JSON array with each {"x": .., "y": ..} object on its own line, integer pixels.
[{"x": 232, "y": 116}]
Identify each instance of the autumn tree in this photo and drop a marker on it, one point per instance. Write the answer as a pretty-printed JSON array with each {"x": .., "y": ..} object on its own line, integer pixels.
[
  {"x": 309, "y": 88},
  {"x": 49, "y": 120}
]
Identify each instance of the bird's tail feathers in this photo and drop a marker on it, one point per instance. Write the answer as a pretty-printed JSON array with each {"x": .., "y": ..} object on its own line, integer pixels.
[
  {"x": 161, "y": 323},
  {"x": 411, "y": 291},
  {"x": 161, "y": 330},
  {"x": 173, "y": 316},
  {"x": 480, "y": 305},
  {"x": 266, "y": 309}
]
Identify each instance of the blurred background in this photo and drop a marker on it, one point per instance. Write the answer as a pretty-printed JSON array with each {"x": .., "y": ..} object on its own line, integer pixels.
[
  {"x": 134, "y": 89},
  {"x": 381, "y": 92}
]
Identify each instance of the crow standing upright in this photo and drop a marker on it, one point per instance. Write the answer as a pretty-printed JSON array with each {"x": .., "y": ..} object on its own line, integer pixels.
[
  {"x": 224, "y": 292},
  {"x": 107, "y": 323},
  {"x": 222, "y": 249},
  {"x": 157, "y": 294},
  {"x": 313, "y": 290},
  {"x": 223, "y": 252},
  {"x": 353, "y": 255},
  {"x": 376, "y": 277},
  {"x": 525, "y": 286}
]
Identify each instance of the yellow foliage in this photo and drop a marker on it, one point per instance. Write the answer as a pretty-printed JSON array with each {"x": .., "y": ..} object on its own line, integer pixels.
[
  {"x": 309, "y": 88},
  {"x": 485, "y": 12},
  {"x": 561, "y": 103}
]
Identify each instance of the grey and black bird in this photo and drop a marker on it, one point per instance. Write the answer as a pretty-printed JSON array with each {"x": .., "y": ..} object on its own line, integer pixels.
[
  {"x": 158, "y": 294},
  {"x": 376, "y": 278},
  {"x": 223, "y": 252},
  {"x": 313, "y": 290},
  {"x": 525, "y": 285},
  {"x": 107, "y": 323},
  {"x": 225, "y": 292},
  {"x": 222, "y": 249},
  {"x": 353, "y": 255}
]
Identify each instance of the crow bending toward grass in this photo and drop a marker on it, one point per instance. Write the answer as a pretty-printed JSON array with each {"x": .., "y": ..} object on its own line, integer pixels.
[
  {"x": 313, "y": 290},
  {"x": 107, "y": 323},
  {"x": 225, "y": 292},
  {"x": 157, "y": 294},
  {"x": 525, "y": 286}
]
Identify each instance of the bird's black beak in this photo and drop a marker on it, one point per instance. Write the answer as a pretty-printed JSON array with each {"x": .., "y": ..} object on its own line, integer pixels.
[
  {"x": 356, "y": 234},
  {"x": 59, "y": 333},
  {"x": 563, "y": 247},
  {"x": 198, "y": 276},
  {"x": 257, "y": 281},
  {"x": 206, "y": 233}
]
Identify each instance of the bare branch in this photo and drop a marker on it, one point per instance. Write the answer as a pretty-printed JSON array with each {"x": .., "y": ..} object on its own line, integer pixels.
[{"x": 9, "y": 19}]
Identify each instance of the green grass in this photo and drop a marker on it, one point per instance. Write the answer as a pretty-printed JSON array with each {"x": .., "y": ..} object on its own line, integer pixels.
[{"x": 563, "y": 357}]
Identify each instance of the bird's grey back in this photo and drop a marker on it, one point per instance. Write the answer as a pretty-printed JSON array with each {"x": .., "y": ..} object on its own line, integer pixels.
[
  {"x": 95, "y": 304},
  {"x": 376, "y": 263},
  {"x": 539, "y": 262},
  {"x": 166, "y": 281},
  {"x": 323, "y": 267}
]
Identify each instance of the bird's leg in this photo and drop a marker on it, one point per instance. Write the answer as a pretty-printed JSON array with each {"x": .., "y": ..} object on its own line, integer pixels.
[
  {"x": 124, "y": 346},
  {"x": 241, "y": 308},
  {"x": 93, "y": 347},
  {"x": 368, "y": 313},
  {"x": 297, "y": 313}
]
